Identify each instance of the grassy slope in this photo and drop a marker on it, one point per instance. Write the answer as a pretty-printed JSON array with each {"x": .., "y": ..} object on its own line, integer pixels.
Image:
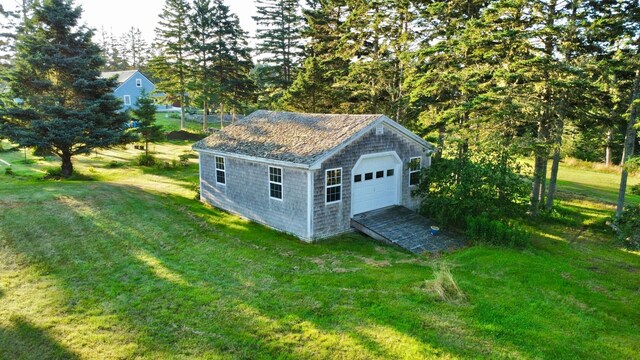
[
  {"x": 129, "y": 266},
  {"x": 173, "y": 124}
]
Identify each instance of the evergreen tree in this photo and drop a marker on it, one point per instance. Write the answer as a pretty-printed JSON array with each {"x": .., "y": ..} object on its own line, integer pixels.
[
  {"x": 68, "y": 109},
  {"x": 323, "y": 33},
  {"x": 145, "y": 113},
  {"x": 205, "y": 49},
  {"x": 134, "y": 48},
  {"x": 241, "y": 88},
  {"x": 171, "y": 41},
  {"x": 278, "y": 42}
]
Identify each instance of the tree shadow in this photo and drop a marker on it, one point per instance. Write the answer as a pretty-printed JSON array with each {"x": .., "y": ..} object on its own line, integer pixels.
[
  {"x": 23, "y": 340},
  {"x": 185, "y": 277}
]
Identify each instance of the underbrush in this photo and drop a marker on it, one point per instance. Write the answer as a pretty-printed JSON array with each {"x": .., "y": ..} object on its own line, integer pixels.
[
  {"x": 56, "y": 174},
  {"x": 443, "y": 286},
  {"x": 482, "y": 230},
  {"x": 588, "y": 165},
  {"x": 152, "y": 161},
  {"x": 627, "y": 227}
]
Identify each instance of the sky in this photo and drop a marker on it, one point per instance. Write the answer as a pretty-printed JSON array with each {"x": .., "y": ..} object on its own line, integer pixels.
[{"x": 118, "y": 16}]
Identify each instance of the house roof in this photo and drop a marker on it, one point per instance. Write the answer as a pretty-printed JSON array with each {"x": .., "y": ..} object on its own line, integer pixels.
[
  {"x": 122, "y": 75},
  {"x": 297, "y": 138}
]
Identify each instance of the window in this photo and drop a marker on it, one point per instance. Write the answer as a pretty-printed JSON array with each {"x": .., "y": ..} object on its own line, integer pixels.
[
  {"x": 333, "y": 185},
  {"x": 357, "y": 178},
  {"x": 379, "y": 130},
  {"x": 390, "y": 172},
  {"x": 415, "y": 165},
  {"x": 368, "y": 176},
  {"x": 127, "y": 100},
  {"x": 221, "y": 175},
  {"x": 275, "y": 183},
  {"x": 379, "y": 174},
  {"x": 138, "y": 82}
]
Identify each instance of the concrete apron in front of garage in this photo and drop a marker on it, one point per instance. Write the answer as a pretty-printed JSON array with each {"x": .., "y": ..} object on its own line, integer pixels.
[{"x": 402, "y": 227}]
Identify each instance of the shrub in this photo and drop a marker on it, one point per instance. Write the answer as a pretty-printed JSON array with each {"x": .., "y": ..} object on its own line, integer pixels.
[
  {"x": 483, "y": 230},
  {"x": 454, "y": 189},
  {"x": 9, "y": 171},
  {"x": 146, "y": 160},
  {"x": 628, "y": 227},
  {"x": 114, "y": 165},
  {"x": 635, "y": 189}
]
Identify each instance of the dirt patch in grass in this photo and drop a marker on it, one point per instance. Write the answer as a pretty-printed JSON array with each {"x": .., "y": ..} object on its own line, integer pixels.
[{"x": 184, "y": 136}]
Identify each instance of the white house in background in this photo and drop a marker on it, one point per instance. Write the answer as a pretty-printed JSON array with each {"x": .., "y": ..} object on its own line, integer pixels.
[
  {"x": 309, "y": 174},
  {"x": 131, "y": 83}
]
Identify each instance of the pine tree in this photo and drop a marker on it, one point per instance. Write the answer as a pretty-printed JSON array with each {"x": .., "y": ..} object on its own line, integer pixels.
[
  {"x": 145, "y": 113},
  {"x": 323, "y": 32},
  {"x": 278, "y": 36},
  {"x": 68, "y": 109},
  {"x": 204, "y": 47},
  {"x": 240, "y": 87},
  {"x": 134, "y": 48},
  {"x": 171, "y": 41}
]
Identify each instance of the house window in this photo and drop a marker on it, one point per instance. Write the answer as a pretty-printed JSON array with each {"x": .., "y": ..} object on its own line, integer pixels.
[
  {"x": 357, "y": 178},
  {"x": 415, "y": 165},
  {"x": 333, "y": 185},
  {"x": 221, "y": 173},
  {"x": 390, "y": 172},
  {"x": 379, "y": 174},
  {"x": 368, "y": 176},
  {"x": 275, "y": 183},
  {"x": 138, "y": 82},
  {"x": 379, "y": 130},
  {"x": 127, "y": 100}
]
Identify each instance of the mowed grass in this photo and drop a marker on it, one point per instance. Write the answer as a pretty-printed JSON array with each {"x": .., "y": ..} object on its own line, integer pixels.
[
  {"x": 128, "y": 265},
  {"x": 169, "y": 123}
]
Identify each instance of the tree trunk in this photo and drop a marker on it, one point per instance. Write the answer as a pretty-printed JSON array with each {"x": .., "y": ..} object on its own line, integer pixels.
[
  {"x": 629, "y": 143},
  {"x": 555, "y": 166},
  {"x": 204, "y": 115},
  {"x": 181, "y": 111},
  {"x": 221, "y": 116},
  {"x": 67, "y": 165},
  {"x": 146, "y": 149},
  {"x": 607, "y": 150}
]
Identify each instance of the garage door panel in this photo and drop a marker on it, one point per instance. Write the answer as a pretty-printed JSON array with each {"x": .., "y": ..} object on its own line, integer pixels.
[{"x": 381, "y": 189}]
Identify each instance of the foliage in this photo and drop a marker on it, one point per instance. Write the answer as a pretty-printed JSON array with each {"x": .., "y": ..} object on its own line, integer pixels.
[
  {"x": 635, "y": 189},
  {"x": 170, "y": 69},
  {"x": 483, "y": 230},
  {"x": 146, "y": 159},
  {"x": 278, "y": 42},
  {"x": 454, "y": 189},
  {"x": 67, "y": 108},
  {"x": 145, "y": 113},
  {"x": 628, "y": 227},
  {"x": 9, "y": 171}
]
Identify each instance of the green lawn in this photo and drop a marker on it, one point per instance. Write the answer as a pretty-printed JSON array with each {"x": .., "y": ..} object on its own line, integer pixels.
[
  {"x": 128, "y": 265},
  {"x": 170, "y": 123}
]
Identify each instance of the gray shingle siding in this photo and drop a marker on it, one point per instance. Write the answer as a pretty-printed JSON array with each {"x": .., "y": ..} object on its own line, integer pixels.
[
  {"x": 247, "y": 193},
  {"x": 333, "y": 219}
]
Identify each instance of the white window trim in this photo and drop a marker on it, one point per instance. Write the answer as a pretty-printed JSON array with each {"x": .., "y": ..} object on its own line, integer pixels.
[
  {"x": 326, "y": 187},
  {"x": 414, "y": 171},
  {"x": 215, "y": 165},
  {"x": 139, "y": 83},
  {"x": 127, "y": 100},
  {"x": 281, "y": 183}
]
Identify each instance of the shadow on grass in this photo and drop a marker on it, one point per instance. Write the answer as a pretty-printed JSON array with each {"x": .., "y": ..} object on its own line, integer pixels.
[
  {"x": 188, "y": 280},
  {"x": 23, "y": 340}
]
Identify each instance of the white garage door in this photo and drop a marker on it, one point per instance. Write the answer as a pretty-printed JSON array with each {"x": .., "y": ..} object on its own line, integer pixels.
[{"x": 376, "y": 180}]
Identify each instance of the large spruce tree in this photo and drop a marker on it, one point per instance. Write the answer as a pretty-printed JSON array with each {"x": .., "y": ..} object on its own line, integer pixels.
[
  {"x": 68, "y": 109},
  {"x": 278, "y": 42},
  {"x": 171, "y": 40}
]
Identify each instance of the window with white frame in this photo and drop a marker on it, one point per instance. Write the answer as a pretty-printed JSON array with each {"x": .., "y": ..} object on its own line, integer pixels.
[
  {"x": 138, "y": 82},
  {"x": 127, "y": 100},
  {"x": 333, "y": 187},
  {"x": 221, "y": 172},
  {"x": 415, "y": 166},
  {"x": 275, "y": 182}
]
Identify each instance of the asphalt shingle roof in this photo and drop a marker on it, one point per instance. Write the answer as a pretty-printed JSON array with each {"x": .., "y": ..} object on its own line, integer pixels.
[
  {"x": 285, "y": 136},
  {"x": 122, "y": 75}
]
